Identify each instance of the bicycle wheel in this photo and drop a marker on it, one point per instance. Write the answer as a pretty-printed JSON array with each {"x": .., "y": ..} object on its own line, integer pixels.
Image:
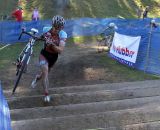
[
  {"x": 108, "y": 41},
  {"x": 100, "y": 45},
  {"x": 23, "y": 66}
]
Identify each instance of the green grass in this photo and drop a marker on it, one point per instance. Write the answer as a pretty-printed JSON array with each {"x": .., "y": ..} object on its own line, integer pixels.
[
  {"x": 129, "y": 73},
  {"x": 9, "y": 54},
  {"x": 7, "y": 6},
  {"x": 96, "y": 8},
  {"x": 82, "y": 8}
]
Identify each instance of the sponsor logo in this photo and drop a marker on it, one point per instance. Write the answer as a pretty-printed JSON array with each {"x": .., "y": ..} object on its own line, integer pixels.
[{"x": 123, "y": 51}]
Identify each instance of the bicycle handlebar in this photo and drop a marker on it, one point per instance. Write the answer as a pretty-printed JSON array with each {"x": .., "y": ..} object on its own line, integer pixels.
[{"x": 33, "y": 36}]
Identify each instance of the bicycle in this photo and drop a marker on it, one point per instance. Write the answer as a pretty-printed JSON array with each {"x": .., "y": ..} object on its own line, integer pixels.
[
  {"x": 25, "y": 55},
  {"x": 106, "y": 37}
]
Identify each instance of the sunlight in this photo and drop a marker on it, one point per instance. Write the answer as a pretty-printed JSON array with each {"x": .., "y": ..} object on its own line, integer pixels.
[
  {"x": 119, "y": 16},
  {"x": 126, "y": 3},
  {"x": 119, "y": 3},
  {"x": 78, "y": 39},
  {"x": 89, "y": 7},
  {"x": 138, "y": 2},
  {"x": 94, "y": 73},
  {"x": 23, "y": 5}
]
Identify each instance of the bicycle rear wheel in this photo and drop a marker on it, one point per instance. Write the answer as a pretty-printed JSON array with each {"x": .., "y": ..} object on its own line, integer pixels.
[
  {"x": 100, "y": 45},
  {"x": 21, "y": 71}
]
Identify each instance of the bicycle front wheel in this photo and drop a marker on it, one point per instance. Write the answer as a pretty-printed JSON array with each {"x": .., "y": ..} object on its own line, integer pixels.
[
  {"x": 21, "y": 71},
  {"x": 108, "y": 41}
]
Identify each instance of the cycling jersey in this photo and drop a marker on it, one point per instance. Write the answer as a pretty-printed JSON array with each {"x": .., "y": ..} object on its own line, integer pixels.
[{"x": 53, "y": 38}]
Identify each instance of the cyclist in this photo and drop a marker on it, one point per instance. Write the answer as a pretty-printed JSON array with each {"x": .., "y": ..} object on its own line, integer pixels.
[
  {"x": 106, "y": 36},
  {"x": 110, "y": 29},
  {"x": 153, "y": 23},
  {"x": 55, "y": 40}
]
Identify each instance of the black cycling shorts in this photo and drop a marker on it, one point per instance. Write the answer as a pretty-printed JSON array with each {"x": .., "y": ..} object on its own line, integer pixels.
[{"x": 50, "y": 57}]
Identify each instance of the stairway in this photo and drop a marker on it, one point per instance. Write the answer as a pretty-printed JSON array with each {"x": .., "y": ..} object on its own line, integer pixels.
[{"x": 117, "y": 106}]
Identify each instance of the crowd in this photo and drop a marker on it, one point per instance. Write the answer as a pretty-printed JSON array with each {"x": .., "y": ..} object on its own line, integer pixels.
[{"x": 18, "y": 14}]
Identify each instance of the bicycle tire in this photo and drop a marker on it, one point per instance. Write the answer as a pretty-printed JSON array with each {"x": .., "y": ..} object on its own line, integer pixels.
[
  {"x": 24, "y": 63},
  {"x": 108, "y": 41},
  {"x": 100, "y": 45}
]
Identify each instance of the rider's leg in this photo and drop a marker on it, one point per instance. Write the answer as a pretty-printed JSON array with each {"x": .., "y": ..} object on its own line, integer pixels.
[
  {"x": 44, "y": 75},
  {"x": 45, "y": 81},
  {"x": 42, "y": 61},
  {"x": 35, "y": 80}
]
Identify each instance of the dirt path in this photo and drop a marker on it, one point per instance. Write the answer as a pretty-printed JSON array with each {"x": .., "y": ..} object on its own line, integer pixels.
[{"x": 78, "y": 65}]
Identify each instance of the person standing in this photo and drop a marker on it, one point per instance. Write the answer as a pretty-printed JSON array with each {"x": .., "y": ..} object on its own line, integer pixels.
[
  {"x": 17, "y": 14},
  {"x": 139, "y": 12},
  {"x": 55, "y": 40},
  {"x": 35, "y": 14},
  {"x": 145, "y": 13}
]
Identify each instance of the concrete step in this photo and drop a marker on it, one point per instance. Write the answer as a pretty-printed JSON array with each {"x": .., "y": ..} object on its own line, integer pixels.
[
  {"x": 141, "y": 126},
  {"x": 82, "y": 97},
  {"x": 118, "y": 106},
  {"x": 84, "y": 108},
  {"x": 108, "y": 119},
  {"x": 84, "y": 88}
]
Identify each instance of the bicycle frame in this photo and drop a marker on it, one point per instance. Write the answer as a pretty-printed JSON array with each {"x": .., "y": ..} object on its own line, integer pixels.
[
  {"x": 24, "y": 57},
  {"x": 28, "y": 49}
]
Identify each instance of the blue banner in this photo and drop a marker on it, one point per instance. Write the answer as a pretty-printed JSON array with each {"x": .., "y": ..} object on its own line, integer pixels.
[
  {"x": 5, "y": 121},
  {"x": 10, "y": 30}
]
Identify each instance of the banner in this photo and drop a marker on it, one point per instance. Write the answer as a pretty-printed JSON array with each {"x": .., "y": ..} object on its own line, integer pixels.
[
  {"x": 5, "y": 121},
  {"x": 125, "y": 48}
]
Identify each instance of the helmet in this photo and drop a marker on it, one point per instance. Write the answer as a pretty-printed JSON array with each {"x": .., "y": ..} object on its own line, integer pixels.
[
  {"x": 153, "y": 21},
  {"x": 112, "y": 25},
  {"x": 58, "y": 21}
]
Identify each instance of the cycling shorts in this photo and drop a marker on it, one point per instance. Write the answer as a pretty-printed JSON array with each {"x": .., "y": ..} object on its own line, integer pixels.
[{"x": 50, "y": 57}]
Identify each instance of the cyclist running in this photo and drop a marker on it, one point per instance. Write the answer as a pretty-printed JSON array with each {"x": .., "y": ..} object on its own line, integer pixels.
[{"x": 55, "y": 40}]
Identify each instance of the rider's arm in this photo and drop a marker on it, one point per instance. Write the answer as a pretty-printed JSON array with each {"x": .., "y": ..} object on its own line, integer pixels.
[
  {"x": 59, "y": 49},
  {"x": 63, "y": 37}
]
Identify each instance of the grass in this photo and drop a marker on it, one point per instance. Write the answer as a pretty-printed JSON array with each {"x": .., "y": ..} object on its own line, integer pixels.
[
  {"x": 84, "y": 8},
  {"x": 125, "y": 71},
  {"x": 7, "y": 6},
  {"x": 9, "y": 54}
]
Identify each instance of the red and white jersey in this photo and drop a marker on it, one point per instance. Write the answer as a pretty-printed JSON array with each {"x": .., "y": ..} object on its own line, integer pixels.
[{"x": 54, "y": 38}]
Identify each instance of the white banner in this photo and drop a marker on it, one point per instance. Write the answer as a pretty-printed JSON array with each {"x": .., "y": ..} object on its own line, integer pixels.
[{"x": 125, "y": 47}]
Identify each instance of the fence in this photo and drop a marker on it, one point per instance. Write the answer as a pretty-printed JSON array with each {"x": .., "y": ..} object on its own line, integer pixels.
[{"x": 10, "y": 30}]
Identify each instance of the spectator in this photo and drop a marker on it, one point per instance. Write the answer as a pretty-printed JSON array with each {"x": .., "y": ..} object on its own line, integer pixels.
[
  {"x": 35, "y": 14},
  {"x": 17, "y": 14},
  {"x": 139, "y": 12},
  {"x": 153, "y": 23},
  {"x": 145, "y": 13}
]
